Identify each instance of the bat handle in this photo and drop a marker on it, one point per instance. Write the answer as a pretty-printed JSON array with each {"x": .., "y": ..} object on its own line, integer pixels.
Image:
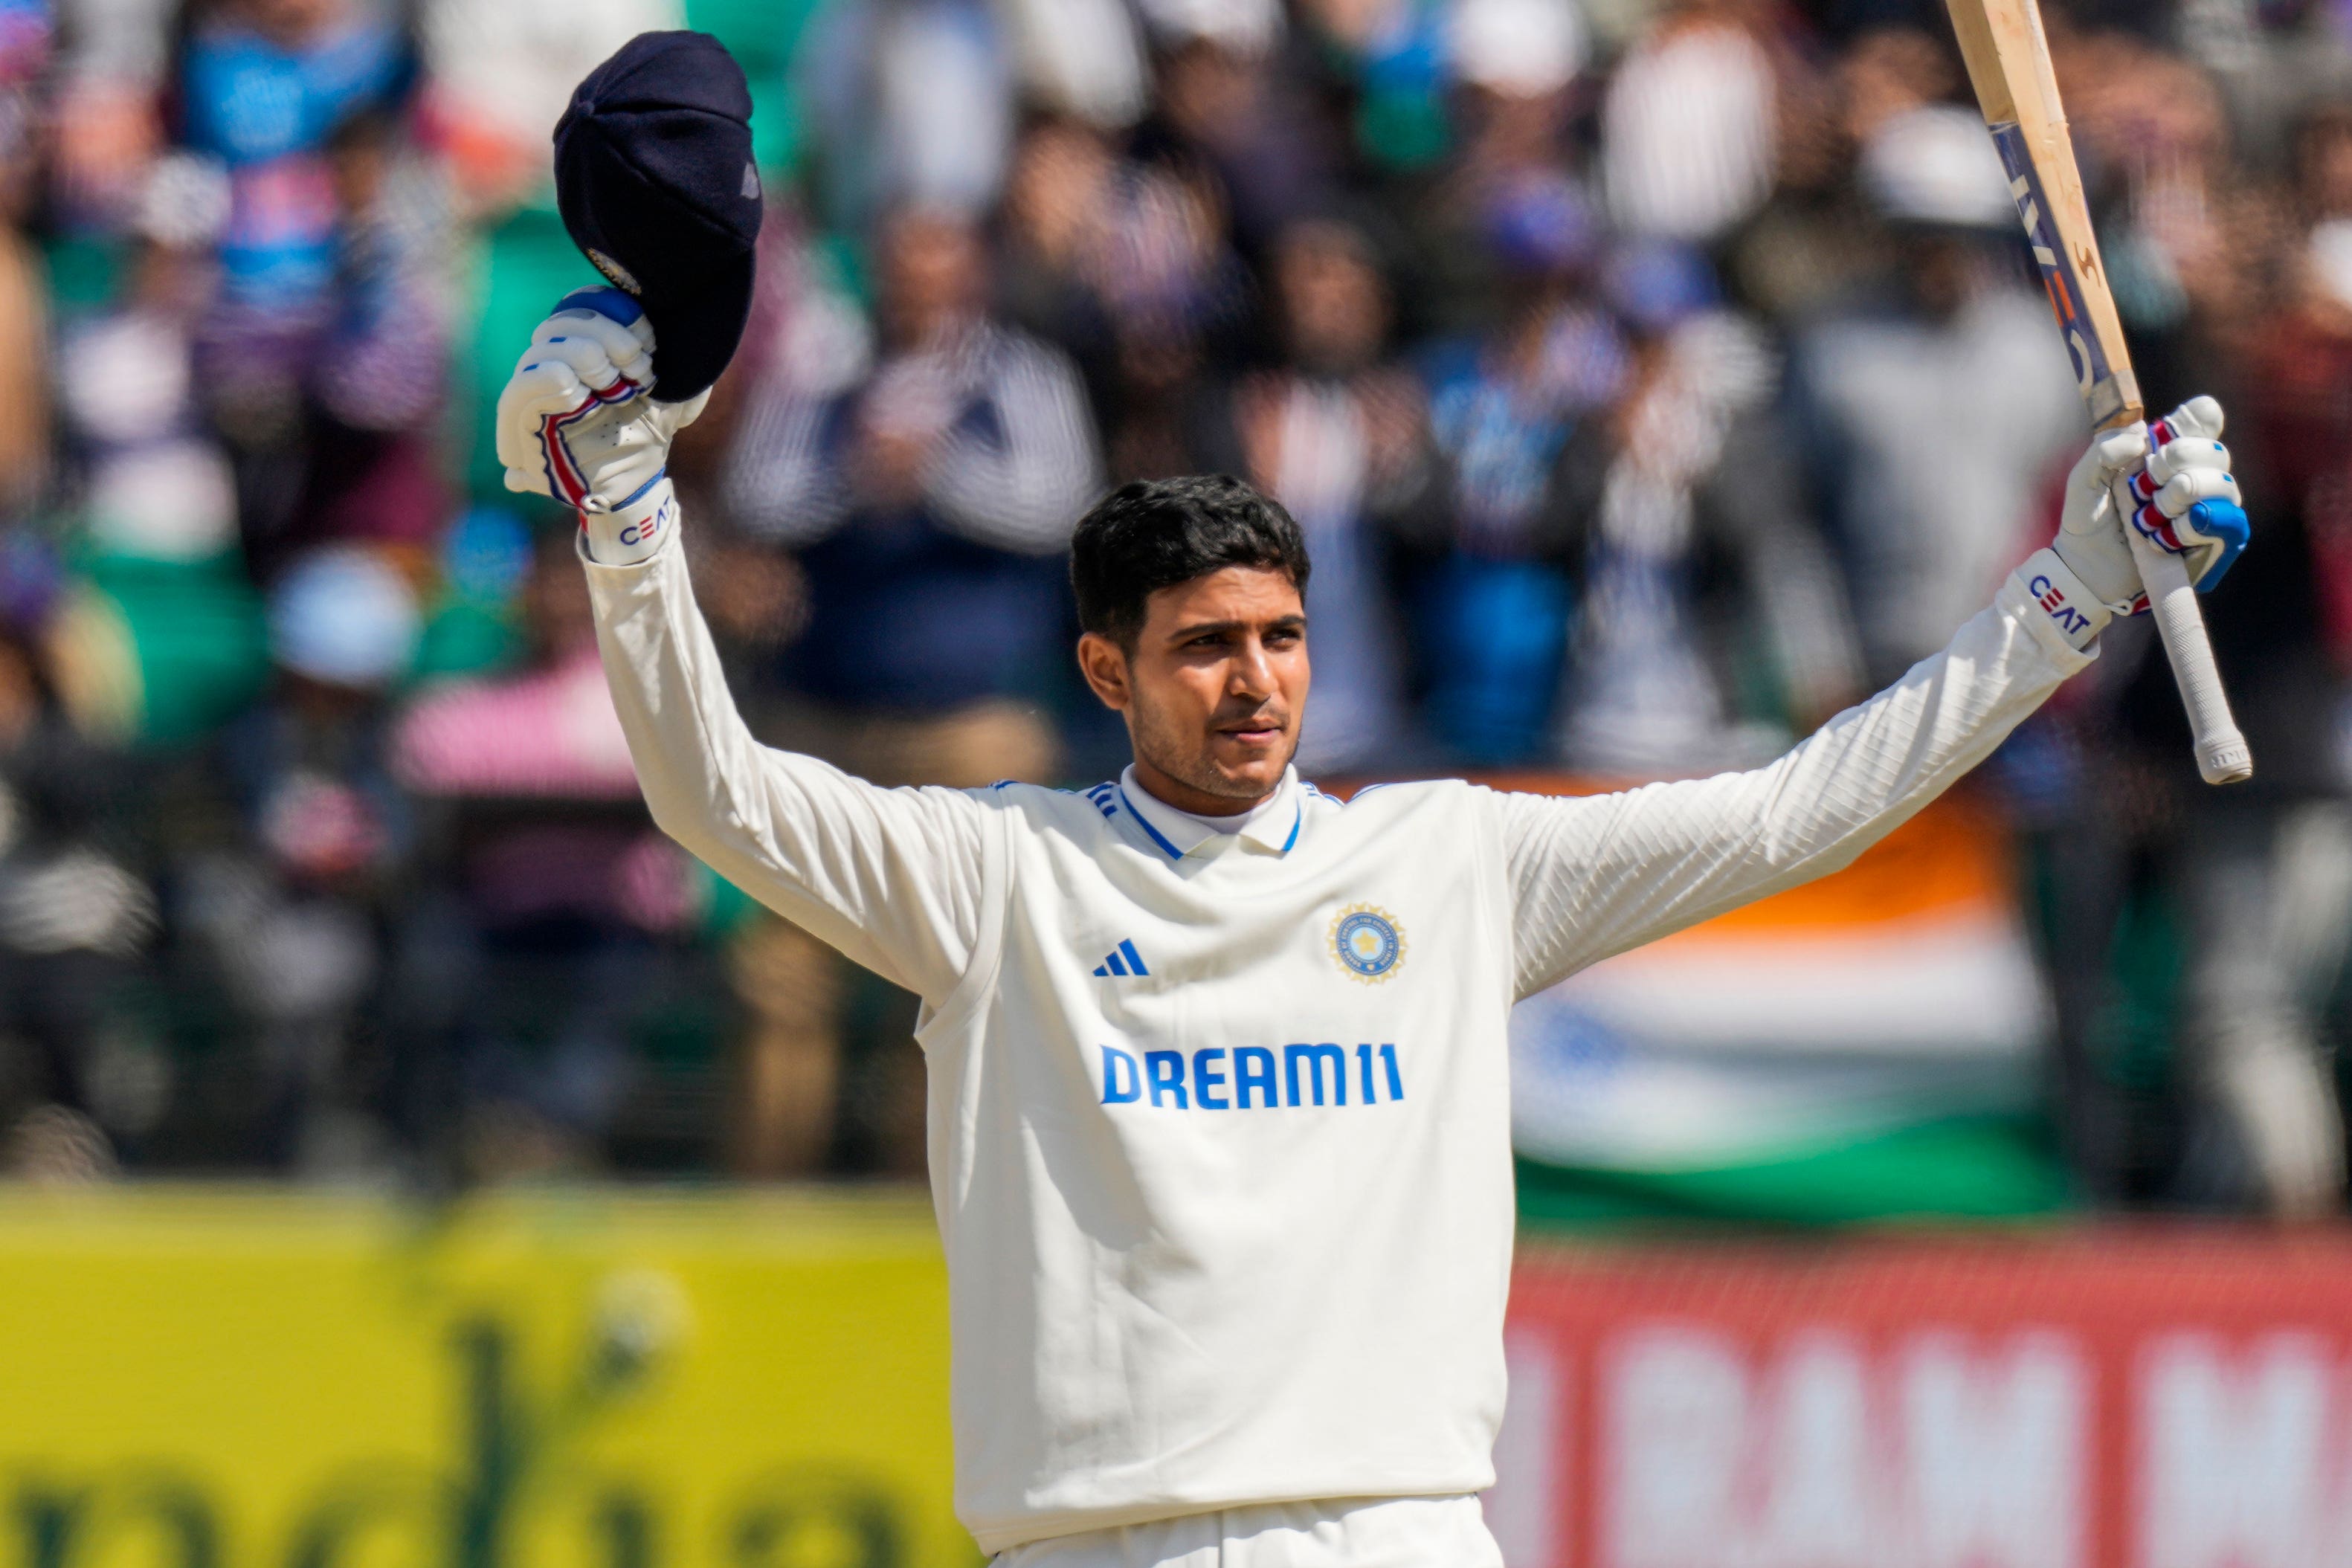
[{"x": 2221, "y": 754}]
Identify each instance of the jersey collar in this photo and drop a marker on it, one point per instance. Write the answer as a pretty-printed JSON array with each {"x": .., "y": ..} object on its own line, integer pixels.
[{"x": 1274, "y": 824}]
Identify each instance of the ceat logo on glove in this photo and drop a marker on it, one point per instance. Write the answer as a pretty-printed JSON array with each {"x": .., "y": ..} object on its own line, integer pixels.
[
  {"x": 2052, "y": 598},
  {"x": 648, "y": 532}
]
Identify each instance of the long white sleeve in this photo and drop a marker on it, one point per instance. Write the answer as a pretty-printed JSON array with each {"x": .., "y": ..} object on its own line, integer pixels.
[
  {"x": 1593, "y": 876},
  {"x": 897, "y": 879}
]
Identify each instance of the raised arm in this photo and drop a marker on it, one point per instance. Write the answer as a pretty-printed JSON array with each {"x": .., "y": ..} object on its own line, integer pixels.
[
  {"x": 1591, "y": 877},
  {"x": 899, "y": 880},
  {"x": 894, "y": 878},
  {"x": 1595, "y": 875}
]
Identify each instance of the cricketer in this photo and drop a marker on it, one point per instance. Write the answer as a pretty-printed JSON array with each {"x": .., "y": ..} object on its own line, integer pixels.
[{"x": 1218, "y": 1123}]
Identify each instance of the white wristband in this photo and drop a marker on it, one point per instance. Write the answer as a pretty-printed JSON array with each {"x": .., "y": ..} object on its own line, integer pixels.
[
  {"x": 635, "y": 530},
  {"x": 2074, "y": 611}
]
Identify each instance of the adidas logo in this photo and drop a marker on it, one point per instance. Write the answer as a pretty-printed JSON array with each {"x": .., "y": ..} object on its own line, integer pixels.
[{"x": 1123, "y": 960}]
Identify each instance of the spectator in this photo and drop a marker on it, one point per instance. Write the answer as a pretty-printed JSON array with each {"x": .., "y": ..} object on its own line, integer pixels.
[
  {"x": 1056, "y": 206},
  {"x": 1690, "y": 128},
  {"x": 1493, "y": 592},
  {"x": 1816, "y": 245},
  {"x": 1697, "y": 549},
  {"x": 927, "y": 503},
  {"x": 154, "y": 482},
  {"x": 106, "y": 117},
  {"x": 378, "y": 372},
  {"x": 1126, "y": 266},
  {"x": 1513, "y": 109},
  {"x": 1227, "y": 108},
  {"x": 264, "y": 84},
  {"x": 26, "y": 45}
]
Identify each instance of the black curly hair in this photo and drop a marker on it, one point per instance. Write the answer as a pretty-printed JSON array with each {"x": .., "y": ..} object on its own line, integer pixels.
[{"x": 1156, "y": 533}]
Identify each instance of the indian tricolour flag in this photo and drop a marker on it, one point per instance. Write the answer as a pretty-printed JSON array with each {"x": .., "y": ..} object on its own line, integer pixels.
[{"x": 1868, "y": 1044}]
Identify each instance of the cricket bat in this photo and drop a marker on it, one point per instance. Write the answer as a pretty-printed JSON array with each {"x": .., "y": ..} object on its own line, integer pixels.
[{"x": 2009, "y": 63}]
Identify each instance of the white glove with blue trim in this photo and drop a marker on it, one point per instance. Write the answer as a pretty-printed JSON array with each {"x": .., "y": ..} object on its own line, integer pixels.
[
  {"x": 577, "y": 423},
  {"x": 2185, "y": 497},
  {"x": 2180, "y": 494}
]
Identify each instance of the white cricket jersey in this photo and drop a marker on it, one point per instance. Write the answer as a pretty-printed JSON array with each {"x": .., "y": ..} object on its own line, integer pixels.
[{"x": 1220, "y": 1124}]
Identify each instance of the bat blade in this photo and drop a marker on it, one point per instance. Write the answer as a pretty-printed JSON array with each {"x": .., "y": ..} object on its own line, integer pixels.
[{"x": 2009, "y": 64}]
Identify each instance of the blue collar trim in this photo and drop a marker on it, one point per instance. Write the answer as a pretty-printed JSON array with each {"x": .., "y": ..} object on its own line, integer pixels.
[{"x": 1140, "y": 821}]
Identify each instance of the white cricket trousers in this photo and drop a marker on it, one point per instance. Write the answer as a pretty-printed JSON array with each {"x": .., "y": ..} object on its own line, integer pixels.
[{"x": 1343, "y": 1532}]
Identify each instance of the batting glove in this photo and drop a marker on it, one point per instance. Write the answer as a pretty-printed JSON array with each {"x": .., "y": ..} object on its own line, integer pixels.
[
  {"x": 2185, "y": 498},
  {"x": 578, "y": 423},
  {"x": 2181, "y": 495}
]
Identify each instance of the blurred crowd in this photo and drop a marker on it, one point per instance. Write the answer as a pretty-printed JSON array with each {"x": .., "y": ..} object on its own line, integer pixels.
[{"x": 1652, "y": 379}]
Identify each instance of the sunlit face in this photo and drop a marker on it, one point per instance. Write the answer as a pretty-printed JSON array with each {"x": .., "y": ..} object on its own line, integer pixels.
[
  {"x": 1214, "y": 689},
  {"x": 1331, "y": 298},
  {"x": 933, "y": 273}
]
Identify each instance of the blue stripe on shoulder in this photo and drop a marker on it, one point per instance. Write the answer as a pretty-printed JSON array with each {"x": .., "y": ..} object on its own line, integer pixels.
[{"x": 1294, "y": 823}]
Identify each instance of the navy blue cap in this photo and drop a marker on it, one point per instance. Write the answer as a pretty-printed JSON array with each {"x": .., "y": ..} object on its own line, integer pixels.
[{"x": 655, "y": 179}]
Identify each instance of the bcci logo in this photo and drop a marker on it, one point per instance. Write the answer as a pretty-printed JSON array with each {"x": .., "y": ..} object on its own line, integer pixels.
[
  {"x": 621, "y": 276},
  {"x": 1368, "y": 942}
]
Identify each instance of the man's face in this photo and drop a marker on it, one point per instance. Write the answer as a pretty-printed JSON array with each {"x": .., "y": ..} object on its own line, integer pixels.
[
  {"x": 931, "y": 274},
  {"x": 1943, "y": 271},
  {"x": 1214, "y": 690},
  {"x": 1331, "y": 299}
]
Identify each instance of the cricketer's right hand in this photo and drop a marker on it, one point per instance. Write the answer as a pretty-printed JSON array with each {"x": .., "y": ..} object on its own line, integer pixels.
[{"x": 578, "y": 423}]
